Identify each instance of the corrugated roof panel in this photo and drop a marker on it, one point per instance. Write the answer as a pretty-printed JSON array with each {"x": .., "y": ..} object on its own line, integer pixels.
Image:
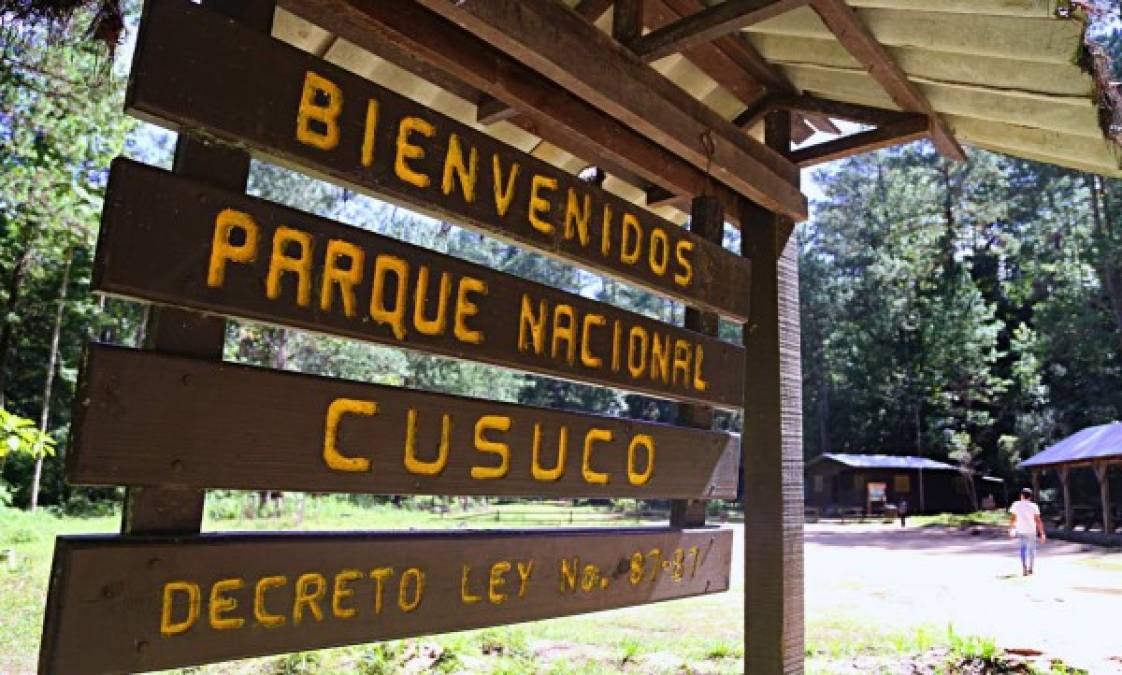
[
  {"x": 1092, "y": 443},
  {"x": 886, "y": 462}
]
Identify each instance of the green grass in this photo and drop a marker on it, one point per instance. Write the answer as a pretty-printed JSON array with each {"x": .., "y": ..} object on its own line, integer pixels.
[
  {"x": 704, "y": 634},
  {"x": 962, "y": 520}
]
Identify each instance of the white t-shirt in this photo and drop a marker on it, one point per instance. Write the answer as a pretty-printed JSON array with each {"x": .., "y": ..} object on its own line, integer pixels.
[{"x": 1024, "y": 513}]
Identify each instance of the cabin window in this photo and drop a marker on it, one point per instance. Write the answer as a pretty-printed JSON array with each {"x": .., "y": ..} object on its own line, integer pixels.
[{"x": 902, "y": 484}]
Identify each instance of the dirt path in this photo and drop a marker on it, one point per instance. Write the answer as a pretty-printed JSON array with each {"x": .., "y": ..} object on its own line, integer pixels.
[{"x": 897, "y": 578}]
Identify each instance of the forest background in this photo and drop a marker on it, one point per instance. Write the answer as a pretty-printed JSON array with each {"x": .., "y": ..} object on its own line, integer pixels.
[{"x": 967, "y": 312}]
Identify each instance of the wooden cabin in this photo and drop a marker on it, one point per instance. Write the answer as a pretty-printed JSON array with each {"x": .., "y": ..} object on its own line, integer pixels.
[{"x": 838, "y": 483}]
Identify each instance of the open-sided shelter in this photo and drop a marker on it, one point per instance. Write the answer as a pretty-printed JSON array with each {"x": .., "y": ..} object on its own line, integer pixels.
[{"x": 1097, "y": 448}]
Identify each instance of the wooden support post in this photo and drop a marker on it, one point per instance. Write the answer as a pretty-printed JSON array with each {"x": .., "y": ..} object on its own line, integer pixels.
[
  {"x": 772, "y": 438},
  {"x": 1102, "y": 472},
  {"x": 1065, "y": 474},
  {"x": 177, "y": 331},
  {"x": 1036, "y": 485},
  {"x": 707, "y": 219},
  {"x": 627, "y": 20}
]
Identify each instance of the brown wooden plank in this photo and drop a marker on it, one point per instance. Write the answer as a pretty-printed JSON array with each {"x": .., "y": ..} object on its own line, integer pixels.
[
  {"x": 263, "y": 82},
  {"x": 120, "y": 604},
  {"x": 158, "y": 243},
  {"x": 843, "y": 21},
  {"x": 895, "y": 133},
  {"x": 773, "y": 485},
  {"x": 627, "y": 20},
  {"x": 545, "y": 35},
  {"x": 839, "y": 109},
  {"x": 257, "y": 429},
  {"x": 707, "y": 25},
  {"x": 707, "y": 219}
]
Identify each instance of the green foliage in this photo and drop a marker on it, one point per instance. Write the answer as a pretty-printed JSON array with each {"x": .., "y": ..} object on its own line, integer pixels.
[{"x": 21, "y": 436}]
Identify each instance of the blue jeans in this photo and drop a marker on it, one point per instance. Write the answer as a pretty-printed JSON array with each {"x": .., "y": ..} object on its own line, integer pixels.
[{"x": 1028, "y": 549}]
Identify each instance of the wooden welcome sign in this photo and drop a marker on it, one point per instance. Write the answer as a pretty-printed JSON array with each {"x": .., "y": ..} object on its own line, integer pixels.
[
  {"x": 170, "y": 240},
  {"x": 174, "y": 425},
  {"x": 316, "y": 434},
  {"x": 133, "y": 604},
  {"x": 288, "y": 105}
]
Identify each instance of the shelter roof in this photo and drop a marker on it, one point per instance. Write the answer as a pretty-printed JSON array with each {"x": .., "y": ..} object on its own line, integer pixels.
[
  {"x": 1013, "y": 76},
  {"x": 885, "y": 462},
  {"x": 1085, "y": 446}
]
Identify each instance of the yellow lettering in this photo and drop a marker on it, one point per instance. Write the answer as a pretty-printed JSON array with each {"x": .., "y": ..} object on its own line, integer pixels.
[
  {"x": 539, "y": 205},
  {"x": 564, "y": 331},
  {"x": 586, "y": 356},
  {"x": 223, "y": 250},
  {"x": 454, "y": 167},
  {"x": 345, "y": 279},
  {"x": 168, "y": 627},
  {"x": 633, "y": 476},
  {"x": 331, "y": 455},
  {"x": 379, "y": 575},
  {"x": 535, "y": 324},
  {"x": 280, "y": 263},
  {"x": 606, "y": 231},
  {"x": 310, "y": 589},
  {"x": 617, "y": 334},
  {"x": 660, "y": 357},
  {"x": 369, "y": 132},
  {"x": 524, "y": 572},
  {"x": 220, "y": 604},
  {"x": 497, "y": 581},
  {"x": 539, "y": 472},
  {"x": 435, "y": 325},
  {"x": 578, "y": 216},
  {"x": 637, "y": 334},
  {"x": 466, "y": 308},
  {"x": 569, "y": 573},
  {"x": 685, "y": 276},
  {"x": 407, "y": 151},
  {"x": 419, "y": 467},
  {"x": 327, "y": 114},
  {"x": 681, "y": 362},
  {"x": 342, "y": 592},
  {"x": 484, "y": 424},
  {"x": 418, "y": 577},
  {"x": 259, "y": 612},
  {"x": 503, "y": 195},
  {"x": 466, "y": 596},
  {"x": 698, "y": 383},
  {"x": 659, "y": 260},
  {"x": 383, "y": 265},
  {"x": 594, "y": 436},
  {"x": 630, "y": 226}
]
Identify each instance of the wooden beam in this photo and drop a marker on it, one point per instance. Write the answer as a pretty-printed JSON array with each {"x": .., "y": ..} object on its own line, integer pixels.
[
  {"x": 1102, "y": 472},
  {"x": 728, "y": 70},
  {"x": 1036, "y": 485},
  {"x": 657, "y": 196},
  {"x": 820, "y": 122},
  {"x": 545, "y": 35},
  {"x": 863, "y": 45},
  {"x": 1065, "y": 482},
  {"x": 707, "y": 25},
  {"x": 627, "y": 20},
  {"x": 755, "y": 114},
  {"x": 839, "y": 109},
  {"x": 547, "y": 111},
  {"x": 903, "y": 131},
  {"x": 773, "y": 478}
]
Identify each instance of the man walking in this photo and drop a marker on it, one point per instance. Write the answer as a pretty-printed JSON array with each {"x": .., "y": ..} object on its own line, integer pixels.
[{"x": 1025, "y": 524}]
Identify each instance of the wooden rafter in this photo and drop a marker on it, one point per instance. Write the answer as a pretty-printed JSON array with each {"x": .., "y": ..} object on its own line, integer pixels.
[
  {"x": 911, "y": 128},
  {"x": 860, "y": 42},
  {"x": 707, "y": 25},
  {"x": 545, "y": 35},
  {"x": 493, "y": 110},
  {"x": 438, "y": 46},
  {"x": 838, "y": 109}
]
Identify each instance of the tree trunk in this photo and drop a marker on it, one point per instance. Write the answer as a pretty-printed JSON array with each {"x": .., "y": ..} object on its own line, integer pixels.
[
  {"x": 52, "y": 360},
  {"x": 1107, "y": 266},
  {"x": 7, "y": 333}
]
